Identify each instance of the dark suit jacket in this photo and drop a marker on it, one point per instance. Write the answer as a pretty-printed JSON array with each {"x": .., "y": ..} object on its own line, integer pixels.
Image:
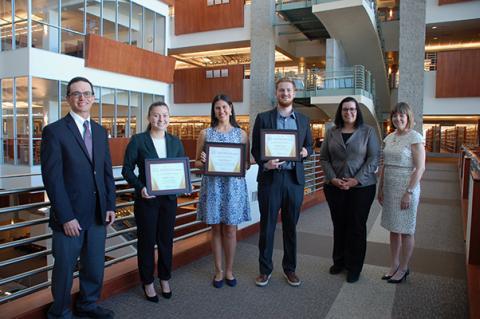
[
  {"x": 268, "y": 120},
  {"x": 76, "y": 186},
  {"x": 141, "y": 148}
]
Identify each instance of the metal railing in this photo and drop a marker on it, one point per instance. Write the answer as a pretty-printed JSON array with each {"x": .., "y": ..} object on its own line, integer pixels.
[
  {"x": 24, "y": 282},
  {"x": 13, "y": 286},
  {"x": 316, "y": 82}
]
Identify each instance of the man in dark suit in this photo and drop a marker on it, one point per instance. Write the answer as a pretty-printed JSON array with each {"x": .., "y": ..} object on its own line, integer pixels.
[
  {"x": 280, "y": 184},
  {"x": 78, "y": 178}
]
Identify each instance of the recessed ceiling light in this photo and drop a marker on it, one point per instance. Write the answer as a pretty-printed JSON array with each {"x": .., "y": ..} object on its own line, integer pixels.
[
  {"x": 435, "y": 38},
  {"x": 434, "y": 27}
]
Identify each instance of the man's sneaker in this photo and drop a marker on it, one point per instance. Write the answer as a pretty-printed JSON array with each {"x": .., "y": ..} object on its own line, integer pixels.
[
  {"x": 292, "y": 279},
  {"x": 262, "y": 280}
]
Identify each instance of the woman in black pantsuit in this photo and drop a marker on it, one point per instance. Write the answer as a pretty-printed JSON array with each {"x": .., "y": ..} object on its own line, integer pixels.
[
  {"x": 349, "y": 157},
  {"x": 154, "y": 215}
]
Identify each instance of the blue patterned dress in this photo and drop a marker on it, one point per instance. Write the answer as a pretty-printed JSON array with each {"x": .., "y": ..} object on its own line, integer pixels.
[{"x": 223, "y": 199}]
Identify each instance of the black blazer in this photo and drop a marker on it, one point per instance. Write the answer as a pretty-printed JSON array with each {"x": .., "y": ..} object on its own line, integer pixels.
[
  {"x": 268, "y": 120},
  {"x": 141, "y": 148},
  {"x": 73, "y": 182}
]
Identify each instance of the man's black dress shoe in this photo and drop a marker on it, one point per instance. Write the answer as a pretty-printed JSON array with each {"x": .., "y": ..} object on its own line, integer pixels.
[
  {"x": 152, "y": 299},
  {"x": 335, "y": 269},
  {"x": 98, "y": 313},
  {"x": 352, "y": 277}
]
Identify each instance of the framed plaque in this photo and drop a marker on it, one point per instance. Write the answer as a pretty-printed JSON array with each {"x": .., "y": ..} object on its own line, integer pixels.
[
  {"x": 168, "y": 176},
  {"x": 279, "y": 144},
  {"x": 225, "y": 159}
]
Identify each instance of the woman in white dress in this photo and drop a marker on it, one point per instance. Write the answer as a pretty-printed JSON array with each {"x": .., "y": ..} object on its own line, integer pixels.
[{"x": 399, "y": 188}]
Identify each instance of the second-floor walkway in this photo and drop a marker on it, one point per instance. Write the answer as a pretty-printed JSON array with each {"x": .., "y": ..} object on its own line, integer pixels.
[{"x": 436, "y": 287}]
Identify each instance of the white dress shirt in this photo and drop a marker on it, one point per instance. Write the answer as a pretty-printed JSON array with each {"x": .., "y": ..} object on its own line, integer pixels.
[
  {"x": 79, "y": 121},
  {"x": 160, "y": 147}
]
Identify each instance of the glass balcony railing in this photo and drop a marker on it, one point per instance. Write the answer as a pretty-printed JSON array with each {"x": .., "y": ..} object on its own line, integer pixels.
[{"x": 354, "y": 80}]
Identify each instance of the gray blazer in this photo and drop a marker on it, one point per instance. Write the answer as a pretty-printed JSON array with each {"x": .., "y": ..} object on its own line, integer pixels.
[{"x": 357, "y": 158}]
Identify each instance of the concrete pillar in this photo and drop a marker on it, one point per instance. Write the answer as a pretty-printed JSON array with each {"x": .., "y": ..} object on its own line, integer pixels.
[
  {"x": 262, "y": 66},
  {"x": 335, "y": 56},
  {"x": 411, "y": 57}
]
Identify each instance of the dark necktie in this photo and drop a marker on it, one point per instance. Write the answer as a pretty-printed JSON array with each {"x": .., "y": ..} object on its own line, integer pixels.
[{"x": 87, "y": 138}]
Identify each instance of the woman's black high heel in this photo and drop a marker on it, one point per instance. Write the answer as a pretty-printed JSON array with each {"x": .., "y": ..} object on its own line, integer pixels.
[
  {"x": 152, "y": 299},
  {"x": 387, "y": 277},
  {"x": 166, "y": 295},
  {"x": 397, "y": 281}
]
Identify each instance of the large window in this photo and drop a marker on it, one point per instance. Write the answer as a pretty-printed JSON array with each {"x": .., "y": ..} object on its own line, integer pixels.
[
  {"x": 60, "y": 26},
  {"x": 122, "y": 113}
]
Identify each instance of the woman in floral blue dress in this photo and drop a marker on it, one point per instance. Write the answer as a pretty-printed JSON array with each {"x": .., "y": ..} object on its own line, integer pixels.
[{"x": 223, "y": 202}]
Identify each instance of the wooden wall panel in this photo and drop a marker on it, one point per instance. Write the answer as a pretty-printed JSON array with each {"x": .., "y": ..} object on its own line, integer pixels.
[
  {"x": 441, "y": 2},
  {"x": 195, "y": 16},
  {"x": 114, "y": 56},
  {"x": 118, "y": 146},
  {"x": 458, "y": 74},
  {"x": 192, "y": 85}
]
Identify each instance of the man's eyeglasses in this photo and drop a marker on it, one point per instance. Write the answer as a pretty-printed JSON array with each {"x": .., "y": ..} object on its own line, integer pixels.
[
  {"x": 77, "y": 95},
  {"x": 351, "y": 109}
]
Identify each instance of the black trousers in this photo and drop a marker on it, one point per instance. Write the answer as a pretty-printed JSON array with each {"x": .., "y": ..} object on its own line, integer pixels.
[
  {"x": 155, "y": 220},
  {"x": 90, "y": 247},
  {"x": 285, "y": 194},
  {"x": 349, "y": 210}
]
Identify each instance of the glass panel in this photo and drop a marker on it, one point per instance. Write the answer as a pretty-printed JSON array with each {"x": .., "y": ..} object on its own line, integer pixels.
[
  {"x": 123, "y": 20},
  {"x": 6, "y": 25},
  {"x": 147, "y": 101},
  {"x": 122, "y": 113},
  {"x": 72, "y": 15},
  {"x": 108, "y": 110},
  {"x": 137, "y": 26},
  {"x": 72, "y": 44},
  {"x": 148, "y": 29},
  {"x": 7, "y": 115},
  {"x": 135, "y": 113},
  {"x": 21, "y": 36},
  {"x": 109, "y": 15},
  {"x": 23, "y": 127},
  {"x": 44, "y": 37},
  {"x": 45, "y": 11},
  {"x": 63, "y": 94},
  {"x": 20, "y": 10},
  {"x": 44, "y": 110},
  {"x": 93, "y": 17},
  {"x": 160, "y": 34},
  {"x": 95, "y": 110}
]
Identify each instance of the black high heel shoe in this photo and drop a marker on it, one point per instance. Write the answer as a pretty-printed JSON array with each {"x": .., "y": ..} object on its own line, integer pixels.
[
  {"x": 151, "y": 299},
  {"x": 166, "y": 295},
  {"x": 387, "y": 277},
  {"x": 397, "y": 281}
]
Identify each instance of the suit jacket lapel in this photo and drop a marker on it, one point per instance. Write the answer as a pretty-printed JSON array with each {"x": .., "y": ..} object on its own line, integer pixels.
[
  {"x": 149, "y": 144},
  {"x": 97, "y": 144},
  {"x": 273, "y": 118},
  {"x": 169, "y": 144},
  {"x": 76, "y": 133},
  {"x": 337, "y": 135}
]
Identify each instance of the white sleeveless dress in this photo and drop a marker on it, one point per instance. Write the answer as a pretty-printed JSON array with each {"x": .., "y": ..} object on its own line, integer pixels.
[{"x": 398, "y": 166}]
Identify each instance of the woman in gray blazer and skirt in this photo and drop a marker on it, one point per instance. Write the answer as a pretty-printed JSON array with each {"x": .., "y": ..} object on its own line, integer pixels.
[{"x": 349, "y": 157}]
